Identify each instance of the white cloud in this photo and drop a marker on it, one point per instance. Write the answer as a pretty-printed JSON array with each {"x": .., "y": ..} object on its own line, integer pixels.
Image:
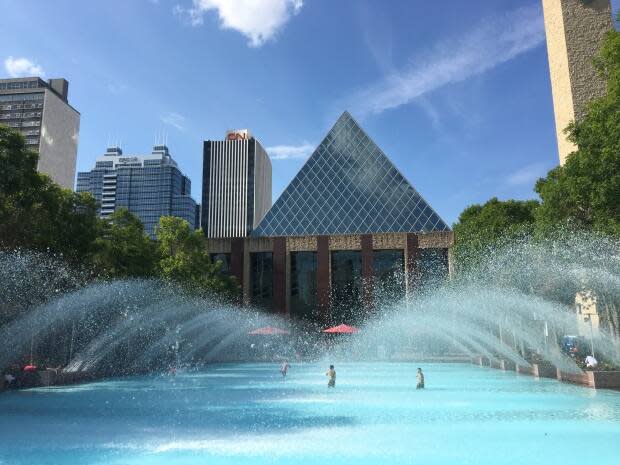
[
  {"x": 258, "y": 20},
  {"x": 21, "y": 67},
  {"x": 175, "y": 120},
  {"x": 490, "y": 43},
  {"x": 288, "y": 152},
  {"x": 527, "y": 175}
]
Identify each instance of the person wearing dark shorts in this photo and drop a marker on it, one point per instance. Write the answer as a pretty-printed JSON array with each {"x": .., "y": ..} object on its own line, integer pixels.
[
  {"x": 420, "y": 377},
  {"x": 331, "y": 374}
]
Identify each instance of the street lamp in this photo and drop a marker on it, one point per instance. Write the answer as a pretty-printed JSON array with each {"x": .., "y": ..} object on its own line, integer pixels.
[{"x": 589, "y": 319}]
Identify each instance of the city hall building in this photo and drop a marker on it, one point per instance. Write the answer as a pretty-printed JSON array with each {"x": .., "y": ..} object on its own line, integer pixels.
[{"x": 346, "y": 236}]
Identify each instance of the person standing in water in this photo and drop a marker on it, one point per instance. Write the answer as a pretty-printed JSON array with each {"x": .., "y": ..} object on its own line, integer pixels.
[
  {"x": 420, "y": 377},
  {"x": 331, "y": 374},
  {"x": 284, "y": 368}
]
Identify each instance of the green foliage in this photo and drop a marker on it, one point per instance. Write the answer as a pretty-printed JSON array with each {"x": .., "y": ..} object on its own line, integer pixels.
[
  {"x": 184, "y": 259},
  {"x": 480, "y": 227},
  {"x": 123, "y": 248},
  {"x": 36, "y": 213},
  {"x": 585, "y": 192}
]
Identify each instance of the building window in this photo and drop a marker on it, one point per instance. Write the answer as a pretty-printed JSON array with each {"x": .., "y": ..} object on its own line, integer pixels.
[
  {"x": 388, "y": 269},
  {"x": 347, "y": 287},
  {"x": 303, "y": 301},
  {"x": 261, "y": 279},
  {"x": 224, "y": 258},
  {"x": 433, "y": 266}
]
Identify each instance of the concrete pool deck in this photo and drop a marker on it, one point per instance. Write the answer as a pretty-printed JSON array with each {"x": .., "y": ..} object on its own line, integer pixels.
[{"x": 596, "y": 379}]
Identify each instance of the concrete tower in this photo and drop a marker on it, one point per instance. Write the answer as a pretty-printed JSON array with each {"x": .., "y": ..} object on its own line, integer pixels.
[
  {"x": 575, "y": 31},
  {"x": 236, "y": 185}
]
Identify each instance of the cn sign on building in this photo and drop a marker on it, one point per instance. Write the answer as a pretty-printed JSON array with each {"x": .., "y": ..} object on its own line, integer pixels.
[{"x": 238, "y": 134}]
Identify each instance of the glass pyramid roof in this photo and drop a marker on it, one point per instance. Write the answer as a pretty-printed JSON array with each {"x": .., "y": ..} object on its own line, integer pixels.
[{"x": 348, "y": 186}]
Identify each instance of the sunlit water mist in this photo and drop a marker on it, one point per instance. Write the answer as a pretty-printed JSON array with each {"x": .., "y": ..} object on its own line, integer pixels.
[
  {"x": 514, "y": 304},
  {"x": 133, "y": 326}
]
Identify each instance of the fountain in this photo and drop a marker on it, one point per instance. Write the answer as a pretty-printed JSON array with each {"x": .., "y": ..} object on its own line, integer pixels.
[{"x": 225, "y": 401}]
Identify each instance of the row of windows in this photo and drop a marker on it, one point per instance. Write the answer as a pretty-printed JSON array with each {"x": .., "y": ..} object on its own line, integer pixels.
[
  {"x": 31, "y": 114},
  {"x": 347, "y": 286},
  {"x": 20, "y": 106},
  {"x": 21, "y": 97},
  {"x": 24, "y": 124},
  {"x": 20, "y": 85}
]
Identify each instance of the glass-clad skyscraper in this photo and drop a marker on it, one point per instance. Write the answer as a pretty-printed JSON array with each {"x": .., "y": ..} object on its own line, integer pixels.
[{"x": 149, "y": 186}]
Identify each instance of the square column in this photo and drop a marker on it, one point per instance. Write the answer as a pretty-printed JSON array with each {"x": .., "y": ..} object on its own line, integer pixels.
[
  {"x": 237, "y": 262},
  {"x": 412, "y": 272},
  {"x": 367, "y": 270},
  {"x": 323, "y": 284},
  {"x": 279, "y": 275}
]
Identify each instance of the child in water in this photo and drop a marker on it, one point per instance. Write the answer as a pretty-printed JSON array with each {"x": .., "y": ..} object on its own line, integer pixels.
[
  {"x": 284, "y": 368},
  {"x": 331, "y": 374},
  {"x": 420, "y": 377}
]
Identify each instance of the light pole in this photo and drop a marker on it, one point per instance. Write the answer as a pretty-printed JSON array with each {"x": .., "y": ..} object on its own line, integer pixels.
[{"x": 589, "y": 319}]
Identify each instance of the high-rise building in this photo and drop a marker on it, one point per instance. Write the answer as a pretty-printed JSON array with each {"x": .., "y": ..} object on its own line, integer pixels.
[
  {"x": 575, "y": 31},
  {"x": 50, "y": 125},
  {"x": 348, "y": 235},
  {"x": 149, "y": 186},
  {"x": 236, "y": 185}
]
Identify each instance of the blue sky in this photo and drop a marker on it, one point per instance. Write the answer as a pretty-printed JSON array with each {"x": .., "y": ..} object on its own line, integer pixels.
[{"x": 457, "y": 94}]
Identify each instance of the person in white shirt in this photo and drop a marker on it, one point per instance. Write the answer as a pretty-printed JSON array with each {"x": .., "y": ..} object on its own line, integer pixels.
[{"x": 591, "y": 362}]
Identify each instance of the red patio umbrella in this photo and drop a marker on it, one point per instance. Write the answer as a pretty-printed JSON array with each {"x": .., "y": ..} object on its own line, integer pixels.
[
  {"x": 269, "y": 331},
  {"x": 342, "y": 329}
]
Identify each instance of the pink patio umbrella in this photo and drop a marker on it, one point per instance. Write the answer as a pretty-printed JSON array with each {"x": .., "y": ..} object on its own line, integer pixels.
[
  {"x": 342, "y": 329},
  {"x": 269, "y": 331}
]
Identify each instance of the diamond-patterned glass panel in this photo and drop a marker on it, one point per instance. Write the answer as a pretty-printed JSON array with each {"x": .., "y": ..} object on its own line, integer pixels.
[{"x": 348, "y": 186}]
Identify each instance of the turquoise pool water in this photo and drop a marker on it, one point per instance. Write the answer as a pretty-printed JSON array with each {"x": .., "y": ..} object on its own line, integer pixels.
[{"x": 247, "y": 414}]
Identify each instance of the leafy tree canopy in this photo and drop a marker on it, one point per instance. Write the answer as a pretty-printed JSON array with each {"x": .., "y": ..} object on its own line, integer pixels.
[
  {"x": 123, "y": 249},
  {"x": 185, "y": 260},
  {"x": 35, "y": 212},
  {"x": 585, "y": 191},
  {"x": 480, "y": 227}
]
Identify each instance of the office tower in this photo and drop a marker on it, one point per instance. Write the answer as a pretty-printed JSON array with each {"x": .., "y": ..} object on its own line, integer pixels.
[
  {"x": 150, "y": 186},
  {"x": 575, "y": 31},
  {"x": 236, "y": 185},
  {"x": 50, "y": 125}
]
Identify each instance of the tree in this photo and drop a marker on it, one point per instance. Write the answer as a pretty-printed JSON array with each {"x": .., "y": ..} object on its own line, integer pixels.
[
  {"x": 480, "y": 227},
  {"x": 585, "y": 192},
  {"x": 185, "y": 260},
  {"x": 123, "y": 248},
  {"x": 35, "y": 212}
]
